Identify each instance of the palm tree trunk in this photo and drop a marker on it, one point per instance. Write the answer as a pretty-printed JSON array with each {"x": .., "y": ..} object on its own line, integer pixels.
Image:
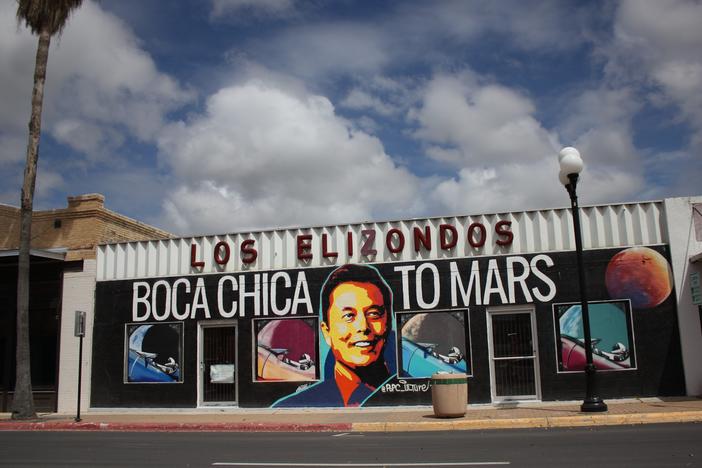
[{"x": 23, "y": 399}]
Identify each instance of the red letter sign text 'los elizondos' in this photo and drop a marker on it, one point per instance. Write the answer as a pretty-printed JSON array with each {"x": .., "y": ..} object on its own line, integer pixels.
[{"x": 367, "y": 241}]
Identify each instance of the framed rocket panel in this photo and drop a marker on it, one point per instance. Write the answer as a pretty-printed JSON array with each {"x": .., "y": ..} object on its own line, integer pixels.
[
  {"x": 431, "y": 342},
  {"x": 611, "y": 331},
  {"x": 153, "y": 352},
  {"x": 286, "y": 350}
]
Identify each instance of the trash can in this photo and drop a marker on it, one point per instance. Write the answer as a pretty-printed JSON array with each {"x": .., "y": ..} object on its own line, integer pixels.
[{"x": 449, "y": 394}]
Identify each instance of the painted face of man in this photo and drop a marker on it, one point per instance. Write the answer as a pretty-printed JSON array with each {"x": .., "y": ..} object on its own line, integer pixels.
[{"x": 357, "y": 324}]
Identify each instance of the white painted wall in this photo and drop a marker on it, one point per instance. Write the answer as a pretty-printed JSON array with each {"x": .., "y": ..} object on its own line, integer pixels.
[
  {"x": 78, "y": 294},
  {"x": 683, "y": 245}
]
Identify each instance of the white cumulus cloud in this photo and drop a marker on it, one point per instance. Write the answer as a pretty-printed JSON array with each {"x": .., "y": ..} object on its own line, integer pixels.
[
  {"x": 506, "y": 159},
  {"x": 479, "y": 124},
  {"x": 262, "y": 155},
  {"x": 660, "y": 41},
  {"x": 101, "y": 86}
]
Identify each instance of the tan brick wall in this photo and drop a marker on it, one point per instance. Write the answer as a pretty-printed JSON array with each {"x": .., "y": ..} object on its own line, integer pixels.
[
  {"x": 80, "y": 227},
  {"x": 9, "y": 226}
]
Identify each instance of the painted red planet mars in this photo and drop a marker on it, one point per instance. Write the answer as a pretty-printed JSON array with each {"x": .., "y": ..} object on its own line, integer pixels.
[{"x": 640, "y": 274}]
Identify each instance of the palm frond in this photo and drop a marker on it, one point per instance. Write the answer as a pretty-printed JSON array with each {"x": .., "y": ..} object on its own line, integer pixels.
[{"x": 50, "y": 14}]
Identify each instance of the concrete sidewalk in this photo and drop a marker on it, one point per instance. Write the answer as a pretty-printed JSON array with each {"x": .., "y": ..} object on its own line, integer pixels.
[{"x": 522, "y": 415}]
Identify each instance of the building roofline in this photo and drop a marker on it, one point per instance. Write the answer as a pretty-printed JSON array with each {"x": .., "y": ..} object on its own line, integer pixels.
[
  {"x": 53, "y": 254},
  {"x": 381, "y": 221}
]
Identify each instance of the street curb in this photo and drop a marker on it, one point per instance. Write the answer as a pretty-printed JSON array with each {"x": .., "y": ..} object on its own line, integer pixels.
[
  {"x": 530, "y": 423},
  {"x": 173, "y": 427},
  {"x": 446, "y": 424}
]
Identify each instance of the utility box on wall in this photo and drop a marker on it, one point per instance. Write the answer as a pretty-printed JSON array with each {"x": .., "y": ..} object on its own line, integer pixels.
[
  {"x": 696, "y": 288},
  {"x": 79, "y": 325}
]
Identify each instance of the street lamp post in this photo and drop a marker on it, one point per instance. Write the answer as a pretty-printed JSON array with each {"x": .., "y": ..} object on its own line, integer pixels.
[{"x": 571, "y": 165}]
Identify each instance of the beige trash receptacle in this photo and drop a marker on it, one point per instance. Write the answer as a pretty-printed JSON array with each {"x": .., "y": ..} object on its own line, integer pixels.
[{"x": 449, "y": 395}]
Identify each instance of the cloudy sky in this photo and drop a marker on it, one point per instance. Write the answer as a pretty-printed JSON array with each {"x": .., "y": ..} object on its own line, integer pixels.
[{"x": 214, "y": 116}]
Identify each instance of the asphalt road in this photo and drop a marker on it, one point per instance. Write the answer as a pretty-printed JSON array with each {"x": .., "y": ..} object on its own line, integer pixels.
[{"x": 666, "y": 445}]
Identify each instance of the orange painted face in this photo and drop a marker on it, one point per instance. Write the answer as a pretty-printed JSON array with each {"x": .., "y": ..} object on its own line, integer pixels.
[{"x": 357, "y": 324}]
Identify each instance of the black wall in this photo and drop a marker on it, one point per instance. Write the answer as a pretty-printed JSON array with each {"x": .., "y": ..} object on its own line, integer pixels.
[{"x": 658, "y": 356}]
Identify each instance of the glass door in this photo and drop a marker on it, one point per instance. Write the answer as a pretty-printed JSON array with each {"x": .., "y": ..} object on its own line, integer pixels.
[
  {"x": 513, "y": 356},
  {"x": 218, "y": 350}
]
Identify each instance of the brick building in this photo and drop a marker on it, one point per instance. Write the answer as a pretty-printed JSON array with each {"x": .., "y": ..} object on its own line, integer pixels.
[
  {"x": 238, "y": 319},
  {"x": 63, "y": 252}
]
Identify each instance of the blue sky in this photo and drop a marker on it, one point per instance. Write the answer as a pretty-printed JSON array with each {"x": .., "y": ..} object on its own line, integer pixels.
[{"x": 213, "y": 116}]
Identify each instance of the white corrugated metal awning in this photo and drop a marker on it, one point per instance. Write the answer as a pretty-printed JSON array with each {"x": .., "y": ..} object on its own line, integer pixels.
[
  {"x": 551, "y": 230},
  {"x": 54, "y": 254}
]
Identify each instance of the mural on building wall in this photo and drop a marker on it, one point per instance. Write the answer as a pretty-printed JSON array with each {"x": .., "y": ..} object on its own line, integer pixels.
[
  {"x": 640, "y": 274},
  {"x": 642, "y": 278},
  {"x": 358, "y": 346},
  {"x": 301, "y": 345},
  {"x": 286, "y": 350},
  {"x": 611, "y": 332},
  {"x": 154, "y": 352},
  {"x": 433, "y": 342},
  {"x": 330, "y": 336}
]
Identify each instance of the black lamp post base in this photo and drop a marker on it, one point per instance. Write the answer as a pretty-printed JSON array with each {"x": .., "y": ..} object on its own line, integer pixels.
[{"x": 593, "y": 405}]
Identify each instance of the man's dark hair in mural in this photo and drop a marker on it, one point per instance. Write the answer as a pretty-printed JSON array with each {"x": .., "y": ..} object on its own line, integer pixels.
[{"x": 356, "y": 320}]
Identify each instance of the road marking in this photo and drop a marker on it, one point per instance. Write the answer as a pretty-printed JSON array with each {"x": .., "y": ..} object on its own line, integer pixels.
[{"x": 370, "y": 465}]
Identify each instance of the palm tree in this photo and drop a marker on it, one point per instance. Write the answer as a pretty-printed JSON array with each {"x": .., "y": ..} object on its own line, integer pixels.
[{"x": 45, "y": 18}]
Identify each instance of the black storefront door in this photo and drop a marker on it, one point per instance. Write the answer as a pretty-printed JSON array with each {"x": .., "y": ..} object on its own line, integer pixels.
[
  {"x": 218, "y": 364},
  {"x": 513, "y": 356}
]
